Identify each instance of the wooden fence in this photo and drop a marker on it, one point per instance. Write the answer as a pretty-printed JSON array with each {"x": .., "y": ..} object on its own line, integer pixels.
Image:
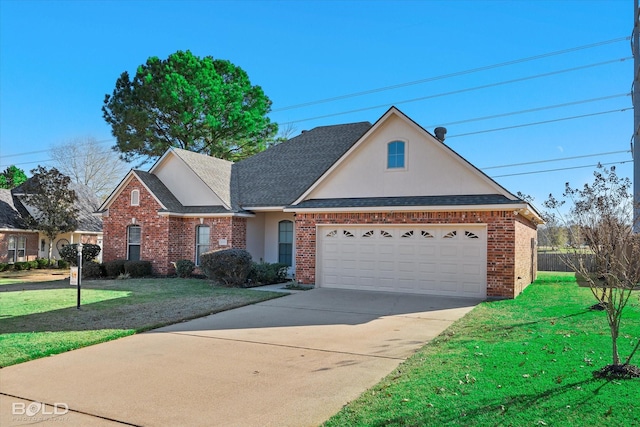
[{"x": 554, "y": 261}]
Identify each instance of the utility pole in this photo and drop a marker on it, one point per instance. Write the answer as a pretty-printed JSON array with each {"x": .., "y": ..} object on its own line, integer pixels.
[{"x": 635, "y": 47}]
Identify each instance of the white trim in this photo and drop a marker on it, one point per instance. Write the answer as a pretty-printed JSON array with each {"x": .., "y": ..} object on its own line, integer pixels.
[
  {"x": 135, "y": 202},
  {"x": 402, "y": 116},
  {"x": 264, "y": 208},
  {"x": 209, "y": 215}
]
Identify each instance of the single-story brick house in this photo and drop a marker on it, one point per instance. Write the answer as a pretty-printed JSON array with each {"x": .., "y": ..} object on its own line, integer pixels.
[
  {"x": 19, "y": 243},
  {"x": 383, "y": 207}
]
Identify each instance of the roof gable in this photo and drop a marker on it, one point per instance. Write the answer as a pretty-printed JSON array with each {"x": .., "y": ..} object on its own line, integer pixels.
[
  {"x": 14, "y": 208},
  {"x": 431, "y": 167},
  {"x": 195, "y": 179}
]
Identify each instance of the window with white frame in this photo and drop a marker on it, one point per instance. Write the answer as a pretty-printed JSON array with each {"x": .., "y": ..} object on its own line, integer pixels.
[
  {"x": 135, "y": 197},
  {"x": 395, "y": 155},
  {"x": 134, "y": 239},
  {"x": 17, "y": 248},
  {"x": 285, "y": 242},
  {"x": 203, "y": 234}
]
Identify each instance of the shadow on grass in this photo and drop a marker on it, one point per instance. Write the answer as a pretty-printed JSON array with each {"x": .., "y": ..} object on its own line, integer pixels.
[
  {"x": 132, "y": 305},
  {"x": 498, "y": 408}
]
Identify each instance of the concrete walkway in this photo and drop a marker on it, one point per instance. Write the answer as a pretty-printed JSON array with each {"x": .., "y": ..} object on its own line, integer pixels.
[{"x": 292, "y": 361}]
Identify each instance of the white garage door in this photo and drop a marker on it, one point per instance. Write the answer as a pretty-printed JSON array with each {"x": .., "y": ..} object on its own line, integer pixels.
[{"x": 440, "y": 260}]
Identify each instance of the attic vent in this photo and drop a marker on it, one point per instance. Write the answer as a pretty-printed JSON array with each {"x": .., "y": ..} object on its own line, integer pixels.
[{"x": 440, "y": 133}]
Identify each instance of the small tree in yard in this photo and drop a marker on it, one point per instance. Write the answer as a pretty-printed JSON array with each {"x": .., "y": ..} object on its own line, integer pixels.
[
  {"x": 602, "y": 213},
  {"x": 51, "y": 204}
]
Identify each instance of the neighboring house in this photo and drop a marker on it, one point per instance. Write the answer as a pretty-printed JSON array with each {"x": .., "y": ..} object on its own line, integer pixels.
[
  {"x": 18, "y": 242},
  {"x": 382, "y": 207}
]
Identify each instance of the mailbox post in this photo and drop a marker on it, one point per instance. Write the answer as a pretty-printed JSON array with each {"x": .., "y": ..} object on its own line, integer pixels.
[{"x": 79, "y": 272}]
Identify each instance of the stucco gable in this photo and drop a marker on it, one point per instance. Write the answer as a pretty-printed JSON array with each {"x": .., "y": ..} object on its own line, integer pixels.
[
  {"x": 195, "y": 179},
  {"x": 431, "y": 167}
]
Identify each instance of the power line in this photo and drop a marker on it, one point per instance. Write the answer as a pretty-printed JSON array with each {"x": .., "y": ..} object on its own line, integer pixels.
[
  {"x": 458, "y": 91},
  {"x": 540, "y": 123},
  {"x": 557, "y": 160},
  {"x": 564, "y": 169},
  {"x": 49, "y": 149},
  {"x": 446, "y": 76},
  {"x": 530, "y": 110}
]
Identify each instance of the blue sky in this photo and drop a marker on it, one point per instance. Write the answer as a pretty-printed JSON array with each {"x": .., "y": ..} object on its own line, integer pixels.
[{"x": 58, "y": 59}]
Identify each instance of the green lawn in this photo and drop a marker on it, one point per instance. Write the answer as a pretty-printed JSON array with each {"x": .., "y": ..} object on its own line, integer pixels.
[
  {"x": 38, "y": 320},
  {"x": 522, "y": 362}
]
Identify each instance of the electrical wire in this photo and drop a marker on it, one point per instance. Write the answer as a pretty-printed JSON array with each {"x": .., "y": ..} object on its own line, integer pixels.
[
  {"x": 557, "y": 160},
  {"x": 454, "y": 74},
  {"x": 530, "y": 110},
  {"x": 458, "y": 91},
  {"x": 564, "y": 169},
  {"x": 540, "y": 123}
]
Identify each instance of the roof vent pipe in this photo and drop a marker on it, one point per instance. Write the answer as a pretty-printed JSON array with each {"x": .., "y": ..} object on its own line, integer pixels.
[{"x": 440, "y": 133}]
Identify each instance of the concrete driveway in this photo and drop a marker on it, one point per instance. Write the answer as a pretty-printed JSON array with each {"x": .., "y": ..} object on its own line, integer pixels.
[{"x": 292, "y": 361}]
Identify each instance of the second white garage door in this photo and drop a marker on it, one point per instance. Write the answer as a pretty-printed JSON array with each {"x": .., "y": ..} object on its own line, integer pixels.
[{"x": 446, "y": 260}]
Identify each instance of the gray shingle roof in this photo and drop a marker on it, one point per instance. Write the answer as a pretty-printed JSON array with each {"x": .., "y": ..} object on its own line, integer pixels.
[
  {"x": 13, "y": 208},
  {"x": 372, "y": 202},
  {"x": 10, "y": 216},
  {"x": 279, "y": 175}
]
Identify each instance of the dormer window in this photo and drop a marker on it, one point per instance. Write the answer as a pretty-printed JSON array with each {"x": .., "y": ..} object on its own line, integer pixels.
[
  {"x": 135, "y": 197},
  {"x": 395, "y": 155}
]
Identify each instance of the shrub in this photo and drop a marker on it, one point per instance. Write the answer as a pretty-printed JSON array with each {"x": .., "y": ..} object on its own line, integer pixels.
[
  {"x": 184, "y": 268},
  {"x": 4, "y": 266},
  {"x": 70, "y": 253},
  {"x": 42, "y": 263},
  {"x": 62, "y": 264},
  {"x": 32, "y": 264},
  {"x": 138, "y": 268},
  {"x": 229, "y": 267},
  {"x": 91, "y": 269},
  {"x": 114, "y": 268},
  {"x": 264, "y": 273},
  {"x": 21, "y": 266}
]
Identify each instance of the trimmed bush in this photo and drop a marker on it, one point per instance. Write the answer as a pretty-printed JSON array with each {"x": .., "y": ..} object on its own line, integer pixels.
[
  {"x": 264, "y": 273},
  {"x": 69, "y": 253},
  {"x": 184, "y": 268},
  {"x": 114, "y": 268},
  {"x": 4, "y": 266},
  {"x": 91, "y": 270},
  {"x": 42, "y": 263},
  {"x": 228, "y": 267},
  {"x": 21, "y": 266},
  {"x": 33, "y": 264},
  {"x": 62, "y": 264},
  {"x": 138, "y": 268}
]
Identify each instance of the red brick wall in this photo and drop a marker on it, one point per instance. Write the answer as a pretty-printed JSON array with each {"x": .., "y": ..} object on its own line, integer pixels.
[
  {"x": 526, "y": 254},
  {"x": 154, "y": 228},
  {"x": 31, "y": 248},
  {"x": 164, "y": 239},
  {"x": 501, "y": 240}
]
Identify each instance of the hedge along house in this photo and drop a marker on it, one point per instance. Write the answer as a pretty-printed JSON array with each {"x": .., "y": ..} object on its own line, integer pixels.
[
  {"x": 18, "y": 242},
  {"x": 382, "y": 207}
]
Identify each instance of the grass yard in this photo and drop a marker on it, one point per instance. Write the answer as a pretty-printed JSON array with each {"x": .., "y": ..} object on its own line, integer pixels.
[
  {"x": 38, "y": 320},
  {"x": 522, "y": 362}
]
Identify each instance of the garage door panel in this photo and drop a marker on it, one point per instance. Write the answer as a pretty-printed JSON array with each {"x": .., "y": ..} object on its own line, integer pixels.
[
  {"x": 440, "y": 260},
  {"x": 449, "y": 251}
]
